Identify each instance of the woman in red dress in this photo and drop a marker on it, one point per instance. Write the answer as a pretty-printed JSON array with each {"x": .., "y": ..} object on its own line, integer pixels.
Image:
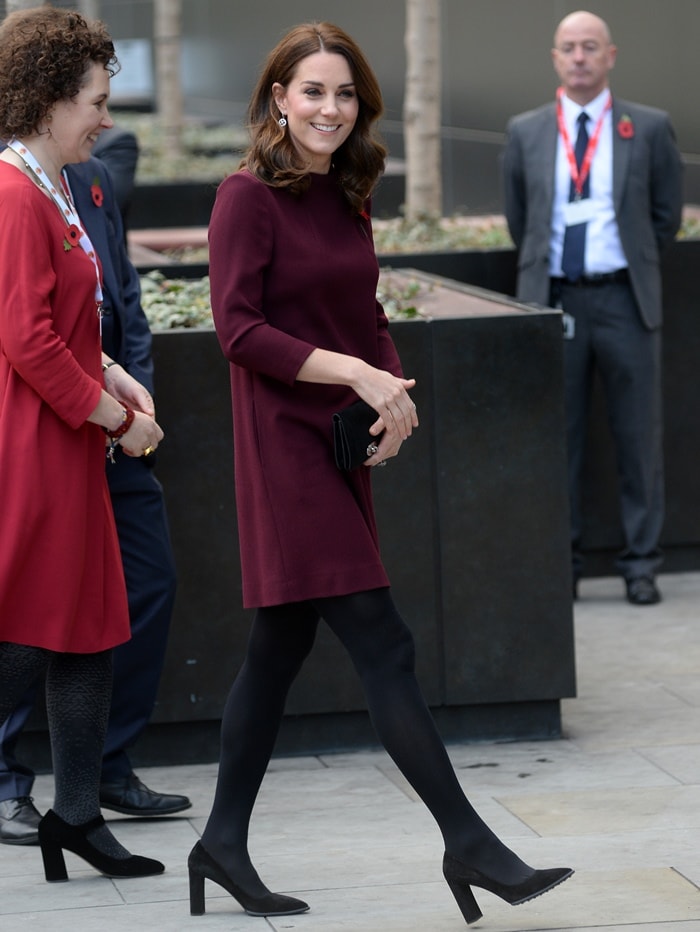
[
  {"x": 62, "y": 595},
  {"x": 293, "y": 280}
]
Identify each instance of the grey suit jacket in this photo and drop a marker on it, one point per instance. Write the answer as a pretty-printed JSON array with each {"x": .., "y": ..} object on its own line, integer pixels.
[{"x": 647, "y": 193}]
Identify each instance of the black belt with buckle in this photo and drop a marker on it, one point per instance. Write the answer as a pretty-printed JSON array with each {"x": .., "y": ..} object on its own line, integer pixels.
[{"x": 620, "y": 276}]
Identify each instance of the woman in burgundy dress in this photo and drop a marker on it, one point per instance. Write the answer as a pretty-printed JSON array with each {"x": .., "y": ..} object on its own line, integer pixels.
[
  {"x": 293, "y": 280},
  {"x": 62, "y": 594}
]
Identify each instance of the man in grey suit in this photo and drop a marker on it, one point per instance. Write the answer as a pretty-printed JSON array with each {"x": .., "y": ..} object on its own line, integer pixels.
[{"x": 593, "y": 193}]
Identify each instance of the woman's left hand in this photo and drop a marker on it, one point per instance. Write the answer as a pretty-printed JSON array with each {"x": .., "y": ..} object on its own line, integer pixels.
[
  {"x": 386, "y": 448},
  {"x": 388, "y": 444},
  {"x": 396, "y": 413}
]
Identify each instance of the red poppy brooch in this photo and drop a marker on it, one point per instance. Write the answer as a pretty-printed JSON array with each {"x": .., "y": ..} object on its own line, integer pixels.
[
  {"x": 97, "y": 193},
  {"x": 72, "y": 237},
  {"x": 626, "y": 127}
]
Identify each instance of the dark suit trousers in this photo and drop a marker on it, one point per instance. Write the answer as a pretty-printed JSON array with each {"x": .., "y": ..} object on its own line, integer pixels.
[
  {"x": 610, "y": 337},
  {"x": 149, "y": 569}
]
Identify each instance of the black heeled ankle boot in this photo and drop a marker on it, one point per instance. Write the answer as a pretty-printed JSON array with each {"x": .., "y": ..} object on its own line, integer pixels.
[
  {"x": 461, "y": 878},
  {"x": 202, "y": 865},
  {"x": 55, "y": 835}
]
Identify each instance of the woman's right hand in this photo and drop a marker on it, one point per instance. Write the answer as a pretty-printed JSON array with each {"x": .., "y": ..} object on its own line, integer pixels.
[{"x": 143, "y": 437}]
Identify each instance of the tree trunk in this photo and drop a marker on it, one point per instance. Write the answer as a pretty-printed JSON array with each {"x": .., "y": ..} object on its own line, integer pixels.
[
  {"x": 167, "y": 30},
  {"x": 89, "y": 8},
  {"x": 421, "y": 112},
  {"x": 12, "y": 5}
]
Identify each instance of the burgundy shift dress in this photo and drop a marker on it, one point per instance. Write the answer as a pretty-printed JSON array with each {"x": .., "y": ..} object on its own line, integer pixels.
[
  {"x": 290, "y": 273},
  {"x": 61, "y": 578}
]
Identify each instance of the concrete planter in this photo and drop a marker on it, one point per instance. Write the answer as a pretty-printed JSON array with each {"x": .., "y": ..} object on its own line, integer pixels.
[
  {"x": 172, "y": 204},
  {"x": 473, "y": 523},
  {"x": 495, "y": 269},
  {"x": 602, "y": 535}
]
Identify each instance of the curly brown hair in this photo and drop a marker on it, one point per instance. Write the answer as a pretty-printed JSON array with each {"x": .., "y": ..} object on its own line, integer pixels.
[
  {"x": 44, "y": 56},
  {"x": 272, "y": 156}
]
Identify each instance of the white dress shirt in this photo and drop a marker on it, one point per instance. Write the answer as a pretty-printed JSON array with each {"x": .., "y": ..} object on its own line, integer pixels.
[{"x": 604, "y": 251}]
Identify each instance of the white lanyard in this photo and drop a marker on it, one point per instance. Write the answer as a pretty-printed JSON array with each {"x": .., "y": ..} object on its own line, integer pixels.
[{"x": 66, "y": 209}]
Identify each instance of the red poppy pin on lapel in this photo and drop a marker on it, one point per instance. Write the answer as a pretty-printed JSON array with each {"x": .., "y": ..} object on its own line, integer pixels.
[
  {"x": 626, "y": 127},
  {"x": 96, "y": 191}
]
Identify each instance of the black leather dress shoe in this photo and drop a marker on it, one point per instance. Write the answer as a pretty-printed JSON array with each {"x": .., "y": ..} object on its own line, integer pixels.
[
  {"x": 642, "y": 590},
  {"x": 19, "y": 821},
  {"x": 132, "y": 797}
]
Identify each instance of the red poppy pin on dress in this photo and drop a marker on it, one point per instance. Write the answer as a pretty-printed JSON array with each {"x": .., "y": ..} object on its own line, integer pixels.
[
  {"x": 626, "y": 127},
  {"x": 72, "y": 238}
]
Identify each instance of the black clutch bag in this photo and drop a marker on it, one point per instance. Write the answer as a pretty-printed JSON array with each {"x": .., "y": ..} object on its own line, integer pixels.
[{"x": 352, "y": 441}]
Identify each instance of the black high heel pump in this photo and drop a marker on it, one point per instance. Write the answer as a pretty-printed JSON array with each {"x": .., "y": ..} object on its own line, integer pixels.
[
  {"x": 55, "y": 835},
  {"x": 202, "y": 865},
  {"x": 461, "y": 878}
]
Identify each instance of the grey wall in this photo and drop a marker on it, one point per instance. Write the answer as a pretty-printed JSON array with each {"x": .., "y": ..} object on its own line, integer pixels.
[{"x": 496, "y": 56}]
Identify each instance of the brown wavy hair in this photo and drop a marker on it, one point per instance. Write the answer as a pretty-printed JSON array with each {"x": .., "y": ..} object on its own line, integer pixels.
[
  {"x": 272, "y": 156},
  {"x": 44, "y": 55}
]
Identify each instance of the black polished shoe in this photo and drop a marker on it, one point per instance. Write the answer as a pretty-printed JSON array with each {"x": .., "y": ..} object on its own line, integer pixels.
[
  {"x": 642, "y": 590},
  {"x": 132, "y": 797},
  {"x": 19, "y": 821}
]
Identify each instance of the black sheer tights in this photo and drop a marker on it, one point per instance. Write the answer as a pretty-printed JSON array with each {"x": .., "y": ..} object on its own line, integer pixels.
[
  {"x": 280, "y": 640},
  {"x": 382, "y": 651},
  {"x": 78, "y": 694}
]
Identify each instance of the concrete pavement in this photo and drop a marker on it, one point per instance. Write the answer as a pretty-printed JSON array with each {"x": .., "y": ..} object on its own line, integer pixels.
[{"x": 618, "y": 799}]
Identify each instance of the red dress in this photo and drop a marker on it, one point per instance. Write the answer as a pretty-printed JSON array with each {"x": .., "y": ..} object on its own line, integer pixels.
[
  {"x": 61, "y": 578},
  {"x": 289, "y": 274}
]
